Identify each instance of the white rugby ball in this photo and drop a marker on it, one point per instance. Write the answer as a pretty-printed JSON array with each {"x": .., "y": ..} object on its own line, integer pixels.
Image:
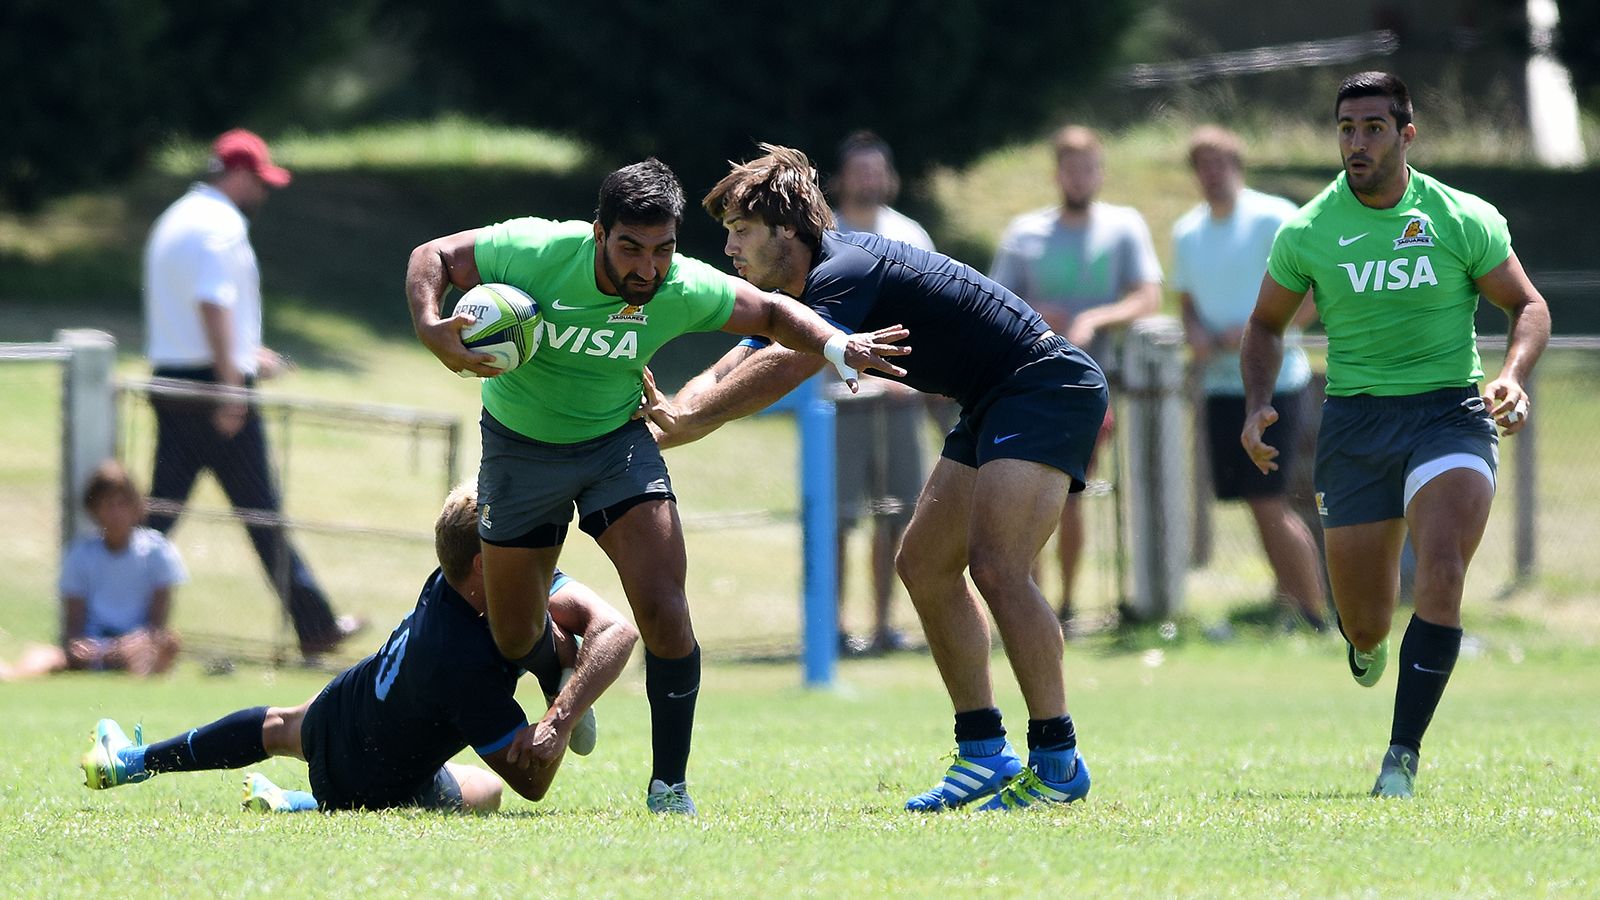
[{"x": 505, "y": 325}]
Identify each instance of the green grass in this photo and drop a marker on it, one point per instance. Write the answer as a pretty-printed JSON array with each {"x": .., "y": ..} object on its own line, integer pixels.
[{"x": 1236, "y": 771}]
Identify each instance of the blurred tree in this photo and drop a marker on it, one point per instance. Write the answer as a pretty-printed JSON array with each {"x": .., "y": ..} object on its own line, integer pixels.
[
  {"x": 91, "y": 86},
  {"x": 1578, "y": 46},
  {"x": 697, "y": 82}
]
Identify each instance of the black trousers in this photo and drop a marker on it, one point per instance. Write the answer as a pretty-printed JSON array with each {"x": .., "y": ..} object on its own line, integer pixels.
[{"x": 187, "y": 442}]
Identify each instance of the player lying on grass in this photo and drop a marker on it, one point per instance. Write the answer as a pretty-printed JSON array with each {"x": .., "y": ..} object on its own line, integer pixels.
[{"x": 380, "y": 734}]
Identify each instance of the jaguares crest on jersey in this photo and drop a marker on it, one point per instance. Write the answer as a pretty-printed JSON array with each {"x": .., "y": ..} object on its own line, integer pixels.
[
  {"x": 630, "y": 313},
  {"x": 1416, "y": 234}
]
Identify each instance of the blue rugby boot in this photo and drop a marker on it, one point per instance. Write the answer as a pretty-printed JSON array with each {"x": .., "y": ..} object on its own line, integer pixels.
[
  {"x": 968, "y": 779},
  {"x": 1028, "y": 789},
  {"x": 106, "y": 764}
]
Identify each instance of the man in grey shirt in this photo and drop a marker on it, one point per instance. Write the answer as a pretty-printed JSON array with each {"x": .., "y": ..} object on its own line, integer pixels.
[
  {"x": 1089, "y": 268},
  {"x": 878, "y": 432}
]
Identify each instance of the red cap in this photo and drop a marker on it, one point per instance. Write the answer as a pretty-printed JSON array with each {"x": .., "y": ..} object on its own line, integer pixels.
[{"x": 241, "y": 149}]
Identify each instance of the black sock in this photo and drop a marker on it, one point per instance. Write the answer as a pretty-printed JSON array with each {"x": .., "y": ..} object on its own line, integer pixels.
[
  {"x": 1427, "y": 655},
  {"x": 979, "y": 725},
  {"x": 228, "y": 743},
  {"x": 672, "y": 686},
  {"x": 542, "y": 660},
  {"x": 1052, "y": 734}
]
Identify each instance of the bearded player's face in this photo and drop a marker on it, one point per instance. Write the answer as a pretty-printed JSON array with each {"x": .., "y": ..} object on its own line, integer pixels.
[
  {"x": 1371, "y": 146},
  {"x": 636, "y": 258}
]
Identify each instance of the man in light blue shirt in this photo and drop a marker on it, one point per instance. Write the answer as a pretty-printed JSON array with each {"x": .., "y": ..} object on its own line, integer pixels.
[{"x": 1219, "y": 255}]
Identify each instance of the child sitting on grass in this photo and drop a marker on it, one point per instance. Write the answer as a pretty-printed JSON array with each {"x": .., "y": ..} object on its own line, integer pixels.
[{"x": 116, "y": 590}]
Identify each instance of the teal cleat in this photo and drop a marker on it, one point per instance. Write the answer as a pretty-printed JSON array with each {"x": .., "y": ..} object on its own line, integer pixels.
[
  {"x": 1028, "y": 789},
  {"x": 1397, "y": 778},
  {"x": 586, "y": 731},
  {"x": 104, "y": 765},
  {"x": 967, "y": 780},
  {"x": 1367, "y": 667},
  {"x": 262, "y": 796},
  {"x": 669, "y": 798}
]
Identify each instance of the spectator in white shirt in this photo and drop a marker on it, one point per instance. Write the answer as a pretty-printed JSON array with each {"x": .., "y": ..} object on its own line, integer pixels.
[{"x": 202, "y": 295}]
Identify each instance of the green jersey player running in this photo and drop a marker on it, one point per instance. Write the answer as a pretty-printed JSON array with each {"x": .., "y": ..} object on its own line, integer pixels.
[
  {"x": 1397, "y": 261},
  {"x": 560, "y": 431}
]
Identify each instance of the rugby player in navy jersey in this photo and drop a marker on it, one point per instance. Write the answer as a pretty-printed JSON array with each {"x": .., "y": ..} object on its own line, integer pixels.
[
  {"x": 1031, "y": 406},
  {"x": 381, "y": 733}
]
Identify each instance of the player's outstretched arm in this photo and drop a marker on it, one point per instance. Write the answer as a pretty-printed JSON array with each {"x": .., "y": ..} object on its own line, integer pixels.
[
  {"x": 432, "y": 269},
  {"x": 745, "y": 381},
  {"x": 799, "y": 327},
  {"x": 1507, "y": 286},
  {"x": 1260, "y": 357},
  {"x": 608, "y": 641}
]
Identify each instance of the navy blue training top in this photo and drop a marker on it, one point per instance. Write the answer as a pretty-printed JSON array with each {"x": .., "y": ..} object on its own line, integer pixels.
[
  {"x": 968, "y": 333},
  {"x": 438, "y": 685}
]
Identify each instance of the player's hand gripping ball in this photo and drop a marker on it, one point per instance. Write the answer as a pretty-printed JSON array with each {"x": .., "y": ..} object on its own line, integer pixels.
[{"x": 506, "y": 325}]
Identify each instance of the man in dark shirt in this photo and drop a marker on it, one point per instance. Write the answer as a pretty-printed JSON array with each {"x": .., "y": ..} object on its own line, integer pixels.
[
  {"x": 381, "y": 733},
  {"x": 1031, "y": 405}
]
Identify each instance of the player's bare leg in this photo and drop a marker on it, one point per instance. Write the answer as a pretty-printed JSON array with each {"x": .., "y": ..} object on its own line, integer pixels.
[
  {"x": 646, "y": 546},
  {"x": 1364, "y": 571},
  {"x": 516, "y": 584},
  {"x": 280, "y": 730},
  {"x": 1016, "y": 504},
  {"x": 1014, "y": 508},
  {"x": 481, "y": 789},
  {"x": 932, "y": 563},
  {"x": 1292, "y": 552},
  {"x": 1447, "y": 518}
]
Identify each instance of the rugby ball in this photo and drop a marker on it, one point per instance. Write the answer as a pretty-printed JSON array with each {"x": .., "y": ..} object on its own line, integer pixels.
[{"x": 505, "y": 325}]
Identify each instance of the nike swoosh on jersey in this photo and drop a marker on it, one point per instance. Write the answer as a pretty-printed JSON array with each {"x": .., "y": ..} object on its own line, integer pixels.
[
  {"x": 1345, "y": 242},
  {"x": 556, "y": 304},
  {"x": 1000, "y": 439}
]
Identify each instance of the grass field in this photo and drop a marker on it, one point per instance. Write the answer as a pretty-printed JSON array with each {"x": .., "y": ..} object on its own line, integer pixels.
[
  {"x": 1220, "y": 769},
  {"x": 1238, "y": 771}
]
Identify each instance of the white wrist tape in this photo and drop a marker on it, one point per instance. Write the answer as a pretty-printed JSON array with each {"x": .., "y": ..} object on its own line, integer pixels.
[{"x": 833, "y": 351}]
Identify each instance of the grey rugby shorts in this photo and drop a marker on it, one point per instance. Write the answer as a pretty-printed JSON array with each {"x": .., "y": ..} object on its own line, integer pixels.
[{"x": 527, "y": 489}]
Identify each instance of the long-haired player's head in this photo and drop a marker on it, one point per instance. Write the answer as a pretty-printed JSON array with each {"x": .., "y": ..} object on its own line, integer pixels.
[{"x": 780, "y": 188}]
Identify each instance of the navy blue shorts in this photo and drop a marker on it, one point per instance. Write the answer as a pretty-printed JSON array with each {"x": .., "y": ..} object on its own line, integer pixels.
[
  {"x": 1233, "y": 475},
  {"x": 1374, "y": 453},
  {"x": 438, "y": 790},
  {"x": 1049, "y": 411}
]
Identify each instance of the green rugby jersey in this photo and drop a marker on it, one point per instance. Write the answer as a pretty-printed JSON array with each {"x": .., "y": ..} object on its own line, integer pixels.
[
  {"x": 586, "y": 377},
  {"x": 1394, "y": 287}
]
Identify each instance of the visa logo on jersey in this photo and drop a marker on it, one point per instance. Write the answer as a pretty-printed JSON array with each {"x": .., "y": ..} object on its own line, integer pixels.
[
  {"x": 592, "y": 342},
  {"x": 1390, "y": 274}
]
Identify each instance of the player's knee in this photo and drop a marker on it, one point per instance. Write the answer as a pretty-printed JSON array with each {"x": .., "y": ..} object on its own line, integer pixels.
[
  {"x": 1442, "y": 573},
  {"x": 1364, "y": 635},
  {"x": 917, "y": 562},
  {"x": 664, "y": 624},
  {"x": 994, "y": 575}
]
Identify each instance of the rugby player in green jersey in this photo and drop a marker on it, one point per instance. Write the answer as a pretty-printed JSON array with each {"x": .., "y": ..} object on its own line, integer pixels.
[
  {"x": 1397, "y": 261},
  {"x": 560, "y": 431}
]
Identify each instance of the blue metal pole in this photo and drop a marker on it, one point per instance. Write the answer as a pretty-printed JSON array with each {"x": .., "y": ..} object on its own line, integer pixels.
[{"x": 820, "y": 523}]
